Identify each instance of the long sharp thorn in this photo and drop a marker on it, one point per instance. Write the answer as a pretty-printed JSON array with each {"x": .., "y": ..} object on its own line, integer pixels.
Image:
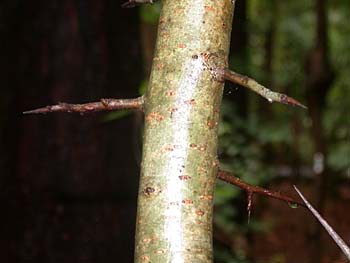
[
  {"x": 337, "y": 239},
  {"x": 249, "y": 204}
]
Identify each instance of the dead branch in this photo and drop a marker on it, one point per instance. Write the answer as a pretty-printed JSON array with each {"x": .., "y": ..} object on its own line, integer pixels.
[
  {"x": 102, "y": 105},
  {"x": 258, "y": 88}
]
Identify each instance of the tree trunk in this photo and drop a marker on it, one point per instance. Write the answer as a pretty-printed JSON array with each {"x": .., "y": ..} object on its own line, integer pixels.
[
  {"x": 318, "y": 82},
  {"x": 179, "y": 162}
]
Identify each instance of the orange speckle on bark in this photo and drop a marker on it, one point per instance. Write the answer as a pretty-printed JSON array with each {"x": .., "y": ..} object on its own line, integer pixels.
[
  {"x": 145, "y": 258},
  {"x": 199, "y": 221},
  {"x": 170, "y": 93},
  {"x": 202, "y": 148},
  {"x": 199, "y": 212},
  {"x": 193, "y": 145},
  {"x": 173, "y": 109},
  {"x": 206, "y": 197},
  {"x": 154, "y": 115},
  {"x": 208, "y": 8},
  {"x": 89, "y": 108},
  {"x": 205, "y": 56},
  {"x": 160, "y": 66},
  {"x": 187, "y": 202},
  {"x": 147, "y": 240},
  {"x": 164, "y": 35},
  {"x": 181, "y": 46},
  {"x": 160, "y": 251},
  {"x": 201, "y": 169},
  {"x": 168, "y": 148},
  {"x": 191, "y": 102},
  {"x": 184, "y": 177},
  {"x": 211, "y": 124},
  {"x": 216, "y": 163}
]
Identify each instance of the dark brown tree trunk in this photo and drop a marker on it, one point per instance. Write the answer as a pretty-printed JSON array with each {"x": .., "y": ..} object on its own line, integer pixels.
[
  {"x": 239, "y": 56},
  {"x": 319, "y": 77},
  {"x": 71, "y": 181}
]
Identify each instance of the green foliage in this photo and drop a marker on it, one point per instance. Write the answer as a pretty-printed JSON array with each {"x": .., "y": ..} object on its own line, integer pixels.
[
  {"x": 115, "y": 115},
  {"x": 249, "y": 146},
  {"x": 150, "y": 13}
]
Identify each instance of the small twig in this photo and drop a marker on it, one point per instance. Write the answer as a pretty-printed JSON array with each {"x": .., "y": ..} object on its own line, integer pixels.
[
  {"x": 133, "y": 3},
  {"x": 102, "y": 105},
  {"x": 337, "y": 239},
  {"x": 260, "y": 89},
  {"x": 250, "y": 189}
]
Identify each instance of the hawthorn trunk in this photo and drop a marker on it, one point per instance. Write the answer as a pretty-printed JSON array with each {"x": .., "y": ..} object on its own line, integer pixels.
[{"x": 179, "y": 162}]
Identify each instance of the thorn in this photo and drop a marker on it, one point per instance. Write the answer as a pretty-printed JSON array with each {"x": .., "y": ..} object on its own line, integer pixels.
[
  {"x": 290, "y": 101},
  {"x": 252, "y": 84},
  {"x": 249, "y": 204},
  {"x": 337, "y": 239},
  {"x": 39, "y": 111},
  {"x": 102, "y": 105}
]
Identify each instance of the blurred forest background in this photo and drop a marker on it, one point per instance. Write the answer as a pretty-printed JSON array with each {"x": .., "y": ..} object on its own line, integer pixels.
[{"x": 68, "y": 183}]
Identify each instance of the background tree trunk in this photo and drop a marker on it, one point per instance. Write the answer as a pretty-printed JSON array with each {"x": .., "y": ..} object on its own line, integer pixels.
[
  {"x": 319, "y": 77},
  {"x": 70, "y": 187}
]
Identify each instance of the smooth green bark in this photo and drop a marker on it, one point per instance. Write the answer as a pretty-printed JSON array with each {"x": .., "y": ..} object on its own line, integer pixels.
[{"x": 179, "y": 162}]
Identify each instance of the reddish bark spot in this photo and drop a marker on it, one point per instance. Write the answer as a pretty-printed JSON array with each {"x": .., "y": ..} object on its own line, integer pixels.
[
  {"x": 160, "y": 66},
  {"x": 202, "y": 148},
  {"x": 205, "y": 56},
  {"x": 211, "y": 124},
  {"x": 154, "y": 116},
  {"x": 216, "y": 163},
  {"x": 187, "y": 202},
  {"x": 145, "y": 258},
  {"x": 206, "y": 197},
  {"x": 89, "y": 108},
  {"x": 147, "y": 240},
  {"x": 199, "y": 212},
  {"x": 191, "y": 102},
  {"x": 181, "y": 46},
  {"x": 217, "y": 109},
  {"x": 201, "y": 169},
  {"x": 170, "y": 93},
  {"x": 224, "y": 25},
  {"x": 184, "y": 177},
  {"x": 168, "y": 148},
  {"x": 164, "y": 35}
]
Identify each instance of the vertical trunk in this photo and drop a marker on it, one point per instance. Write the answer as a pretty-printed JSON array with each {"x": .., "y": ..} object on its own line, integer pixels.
[
  {"x": 318, "y": 82},
  {"x": 179, "y": 163},
  {"x": 239, "y": 56}
]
